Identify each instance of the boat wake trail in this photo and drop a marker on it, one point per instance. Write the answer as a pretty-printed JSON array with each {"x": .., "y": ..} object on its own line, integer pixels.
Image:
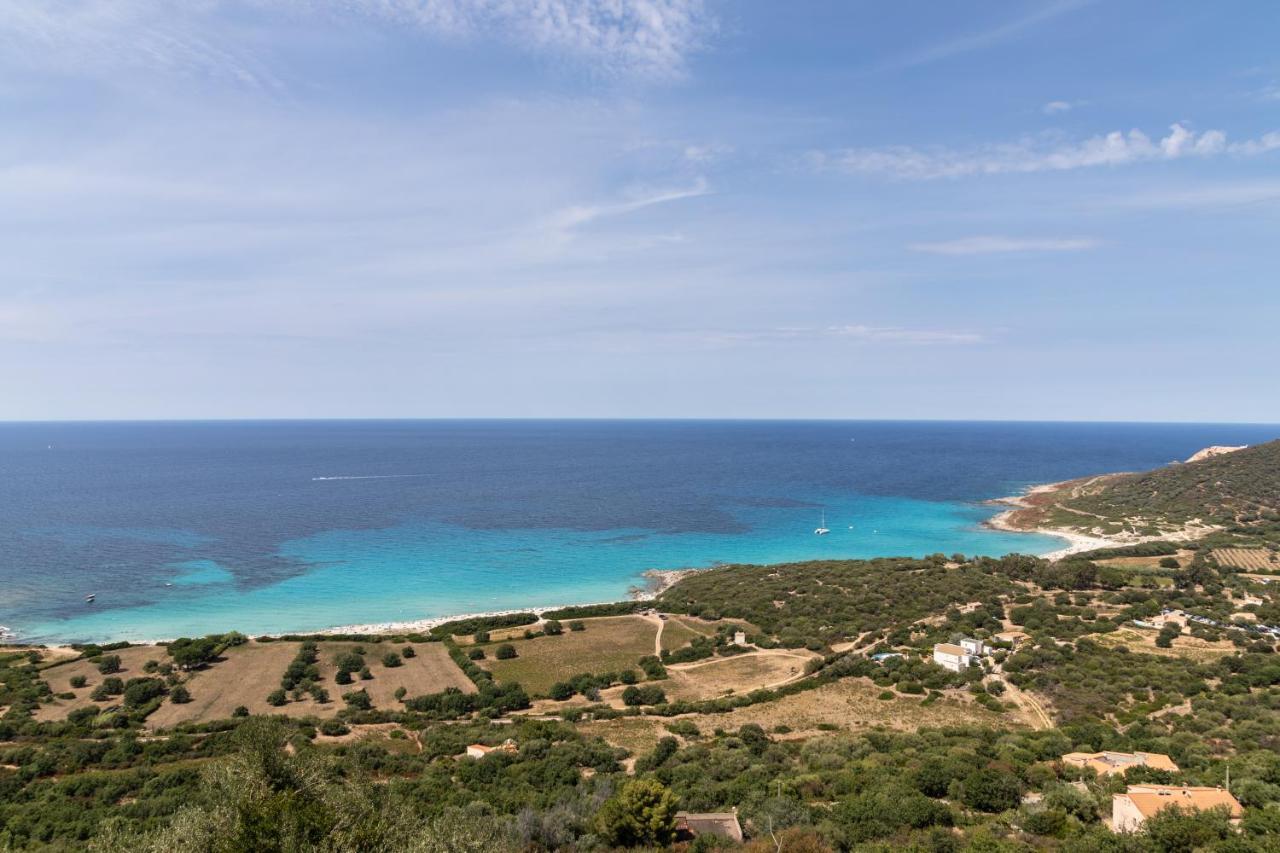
[{"x": 369, "y": 477}]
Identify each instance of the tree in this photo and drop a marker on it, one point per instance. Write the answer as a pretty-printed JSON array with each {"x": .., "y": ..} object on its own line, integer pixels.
[
  {"x": 1177, "y": 831},
  {"x": 552, "y": 628},
  {"x": 990, "y": 790},
  {"x": 641, "y": 814},
  {"x": 1168, "y": 633},
  {"x": 506, "y": 651},
  {"x": 476, "y": 654},
  {"x": 560, "y": 691},
  {"x": 277, "y": 697},
  {"x": 179, "y": 695},
  {"x": 391, "y": 660},
  {"x": 342, "y": 677}
]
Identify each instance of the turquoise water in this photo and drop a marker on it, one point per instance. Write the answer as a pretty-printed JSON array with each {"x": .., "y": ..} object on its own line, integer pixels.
[
  {"x": 189, "y": 528},
  {"x": 417, "y": 571}
]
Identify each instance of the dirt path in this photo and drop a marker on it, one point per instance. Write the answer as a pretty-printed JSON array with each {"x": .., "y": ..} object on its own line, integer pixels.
[
  {"x": 772, "y": 653},
  {"x": 1031, "y": 706},
  {"x": 657, "y": 639}
]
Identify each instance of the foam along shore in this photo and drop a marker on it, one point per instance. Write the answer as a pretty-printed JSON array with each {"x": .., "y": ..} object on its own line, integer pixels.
[
  {"x": 657, "y": 581},
  {"x": 1077, "y": 543}
]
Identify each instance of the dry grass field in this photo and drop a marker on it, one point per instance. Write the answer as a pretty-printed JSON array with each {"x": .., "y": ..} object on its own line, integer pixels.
[
  {"x": 1249, "y": 559},
  {"x": 1185, "y": 646},
  {"x": 609, "y": 644},
  {"x": 243, "y": 676},
  {"x": 850, "y": 705},
  {"x": 729, "y": 676},
  {"x": 1183, "y": 557},
  {"x": 59, "y": 678},
  {"x": 678, "y": 632}
]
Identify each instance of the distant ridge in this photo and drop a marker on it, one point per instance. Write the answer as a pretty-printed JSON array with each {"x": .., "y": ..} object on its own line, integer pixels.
[{"x": 1218, "y": 486}]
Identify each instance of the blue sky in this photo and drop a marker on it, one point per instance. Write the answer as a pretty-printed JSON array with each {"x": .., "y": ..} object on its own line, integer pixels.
[{"x": 639, "y": 208}]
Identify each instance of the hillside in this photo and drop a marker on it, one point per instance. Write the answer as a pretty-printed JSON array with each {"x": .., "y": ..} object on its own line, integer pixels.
[{"x": 1238, "y": 489}]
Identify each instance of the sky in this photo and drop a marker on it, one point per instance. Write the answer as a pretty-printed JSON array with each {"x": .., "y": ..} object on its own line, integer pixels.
[{"x": 1050, "y": 210}]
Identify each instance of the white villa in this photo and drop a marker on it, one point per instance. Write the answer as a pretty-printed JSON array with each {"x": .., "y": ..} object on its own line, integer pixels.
[{"x": 958, "y": 658}]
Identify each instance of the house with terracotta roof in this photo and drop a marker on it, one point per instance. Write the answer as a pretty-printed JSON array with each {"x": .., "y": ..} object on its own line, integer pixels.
[
  {"x": 1110, "y": 763},
  {"x": 1130, "y": 810},
  {"x": 690, "y": 825},
  {"x": 1013, "y": 638},
  {"x": 479, "y": 750}
]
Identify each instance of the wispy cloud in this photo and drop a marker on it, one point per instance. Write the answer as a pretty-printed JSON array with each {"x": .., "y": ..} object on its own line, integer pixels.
[
  {"x": 1040, "y": 154},
  {"x": 1055, "y": 107},
  {"x": 792, "y": 335},
  {"x": 993, "y": 245},
  {"x": 646, "y": 37},
  {"x": 641, "y": 38},
  {"x": 1206, "y": 196},
  {"x": 982, "y": 39}
]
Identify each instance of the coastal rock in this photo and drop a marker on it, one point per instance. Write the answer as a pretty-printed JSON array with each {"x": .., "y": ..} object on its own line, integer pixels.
[{"x": 1215, "y": 450}]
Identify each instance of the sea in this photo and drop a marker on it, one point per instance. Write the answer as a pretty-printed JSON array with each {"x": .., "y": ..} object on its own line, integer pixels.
[{"x": 188, "y": 528}]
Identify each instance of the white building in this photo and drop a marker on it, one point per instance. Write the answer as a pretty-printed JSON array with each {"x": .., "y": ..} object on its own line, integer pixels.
[
  {"x": 950, "y": 656},
  {"x": 976, "y": 648}
]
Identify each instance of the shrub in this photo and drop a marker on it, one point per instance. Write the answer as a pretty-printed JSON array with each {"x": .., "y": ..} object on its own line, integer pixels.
[
  {"x": 577, "y": 625},
  {"x": 240, "y": 711},
  {"x": 649, "y": 694},
  {"x": 476, "y": 654},
  {"x": 408, "y": 652},
  {"x": 391, "y": 660},
  {"x": 506, "y": 651},
  {"x": 480, "y": 637},
  {"x": 343, "y": 677},
  {"x": 179, "y": 695},
  {"x": 358, "y": 700},
  {"x": 561, "y": 691},
  {"x": 553, "y": 628},
  {"x": 142, "y": 690},
  {"x": 365, "y": 674},
  {"x": 277, "y": 697},
  {"x": 79, "y": 681},
  {"x": 108, "y": 664},
  {"x": 401, "y": 692},
  {"x": 334, "y": 728},
  {"x": 1170, "y": 563},
  {"x": 990, "y": 790},
  {"x": 641, "y": 814}
]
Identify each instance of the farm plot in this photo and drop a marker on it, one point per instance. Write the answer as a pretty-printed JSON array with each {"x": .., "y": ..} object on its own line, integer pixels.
[
  {"x": 609, "y": 644},
  {"x": 243, "y": 676},
  {"x": 735, "y": 675},
  {"x": 1249, "y": 559},
  {"x": 430, "y": 670}
]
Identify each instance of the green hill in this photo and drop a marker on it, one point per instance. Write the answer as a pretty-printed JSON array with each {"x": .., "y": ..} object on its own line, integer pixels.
[{"x": 1234, "y": 489}]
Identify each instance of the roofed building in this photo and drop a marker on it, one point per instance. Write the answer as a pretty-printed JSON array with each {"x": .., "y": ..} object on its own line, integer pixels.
[
  {"x": 1110, "y": 763},
  {"x": 690, "y": 825},
  {"x": 1130, "y": 810}
]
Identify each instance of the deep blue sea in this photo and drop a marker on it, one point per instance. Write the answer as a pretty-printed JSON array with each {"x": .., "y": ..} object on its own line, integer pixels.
[{"x": 190, "y": 528}]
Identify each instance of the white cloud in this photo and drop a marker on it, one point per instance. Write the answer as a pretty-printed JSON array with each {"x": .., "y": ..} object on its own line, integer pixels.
[
  {"x": 644, "y": 38},
  {"x": 898, "y": 335},
  {"x": 989, "y": 245},
  {"x": 1055, "y": 107},
  {"x": 1205, "y": 196},
  {"x": 1039, "y": 154}
]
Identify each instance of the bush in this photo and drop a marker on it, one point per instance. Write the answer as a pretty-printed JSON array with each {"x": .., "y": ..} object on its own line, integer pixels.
[
  {"x": 552, "y": 628},
  {"x": 641, "y": 814},
  {"x": 577, "y": 625},
  {"x": 108, "y": 664},
  {"x": 179, "y": 695},
  {"x": 240, "y": 711},
  {"x": 408, "y": 652},
  {"x": 649, "y": 694},
  {"x": 277, "y": 698},
  {"x": 401, "y": 692},
  {"x": 560, "y": 691},
  {"x": 391, "y": 660},
  {"x": 1169, "y": 563},
  {"x": 365, "y": 674},
  {"x": 476, "y": 654},
  {"x": 506, "y": 651},
  {"x": 358, "y": 700},
  {"x": 343, "y": 677},
  {"x": 79, "y": 681},
  {"x": 334, "y": 728},
  {"x": 480, "y": 637}
]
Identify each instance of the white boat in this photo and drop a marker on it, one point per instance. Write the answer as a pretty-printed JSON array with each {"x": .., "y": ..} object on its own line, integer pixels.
[
  {"x": 91, "y": 597},
  {"x": 822, "y": 529}
]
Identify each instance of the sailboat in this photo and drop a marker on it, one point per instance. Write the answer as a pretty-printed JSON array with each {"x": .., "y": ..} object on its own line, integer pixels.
[{"x": 822, "y": 528}]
